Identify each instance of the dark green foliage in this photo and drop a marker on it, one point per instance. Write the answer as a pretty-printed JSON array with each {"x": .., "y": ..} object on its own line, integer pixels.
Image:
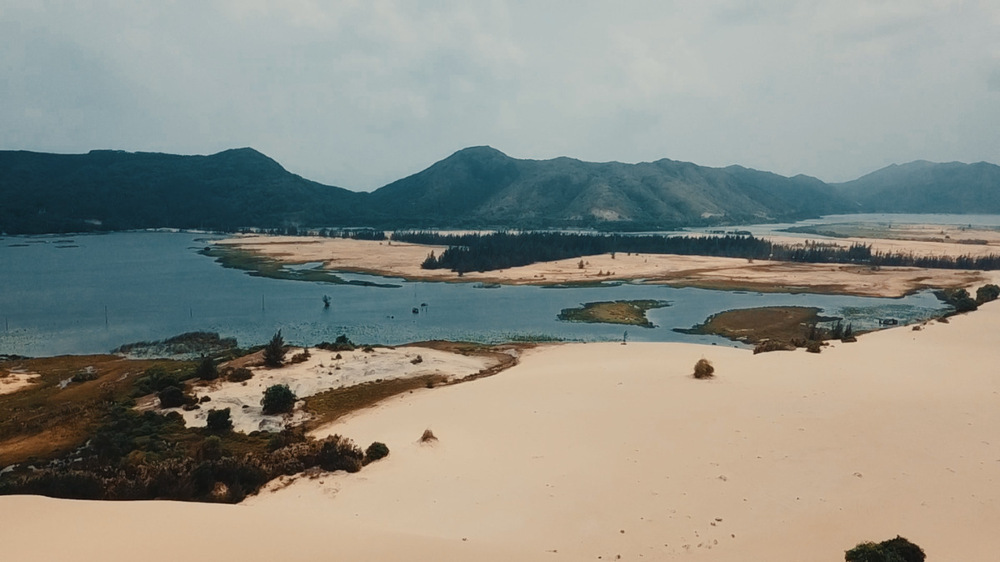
[
  {"x": 376, "y": 451},
  {"x": 274, "y": 352},
  {"x": 239, "y": 374},
  {"x": 127, "y": 430},
  {"x": 958, "y": 298},
  {"x": 207, "y": 370},
  {"x": 892, "y": 550},
  {"x": 502, "y": 250},
  {"x": 987, "y": 293},
  {"x": 340, "y": 344},
  {"x": 84, "y": 376},
  {"x": 156, "y": 379},
  {"x": 121, "y": 190},
  {"x": 219, "y": 420},
  {"x": 837, "y": 332},
  {"x": 171, "y": 397},
  {"x": 340, "y": 453},
  {"x": 278, "y": 399},
  {"x": 211, "y": 448}
]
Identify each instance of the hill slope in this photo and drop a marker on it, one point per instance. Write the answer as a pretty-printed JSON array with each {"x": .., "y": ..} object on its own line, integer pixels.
[
  {"x": 926, "y": 187},
  {"x": 113, "y": 190},
  {"x": 483, "y": 186},
  {"x": 477, "y": 187}
]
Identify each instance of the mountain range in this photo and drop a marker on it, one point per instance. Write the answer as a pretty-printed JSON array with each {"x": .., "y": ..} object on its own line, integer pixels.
[{"x": 477, "y": 187}]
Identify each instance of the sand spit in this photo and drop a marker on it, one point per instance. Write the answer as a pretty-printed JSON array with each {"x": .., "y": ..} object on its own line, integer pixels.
[
  {"x": 595, "y": 451},
  {"x": 403, "y": 260},
  {"x": 323, "y": 371}
]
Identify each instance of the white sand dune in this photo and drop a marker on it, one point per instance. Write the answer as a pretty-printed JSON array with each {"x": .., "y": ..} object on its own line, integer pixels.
[{"x": 594, "y": 451}]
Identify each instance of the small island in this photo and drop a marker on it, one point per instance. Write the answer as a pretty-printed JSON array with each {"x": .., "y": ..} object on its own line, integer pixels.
[
  {"x": 754, "y": 325},
  {"x": 632, "y": 313}
]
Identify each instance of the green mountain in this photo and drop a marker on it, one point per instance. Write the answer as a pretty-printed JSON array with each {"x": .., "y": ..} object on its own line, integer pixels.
[
  {"x": 926, "y": 187},
  {"x": 481, "y": 186},
  {"x": 477, "y": 187},
  {"x": 114, "y": 190}
]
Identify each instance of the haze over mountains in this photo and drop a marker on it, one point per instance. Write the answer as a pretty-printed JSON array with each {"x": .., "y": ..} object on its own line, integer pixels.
[{"x": 475, "y": 187}]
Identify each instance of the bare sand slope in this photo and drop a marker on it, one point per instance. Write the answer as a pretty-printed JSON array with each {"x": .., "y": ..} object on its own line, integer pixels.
[{"x": 600, "y": 450}]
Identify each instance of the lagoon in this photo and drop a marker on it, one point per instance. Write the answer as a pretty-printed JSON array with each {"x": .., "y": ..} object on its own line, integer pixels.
[{"x": 77, "y": 294}]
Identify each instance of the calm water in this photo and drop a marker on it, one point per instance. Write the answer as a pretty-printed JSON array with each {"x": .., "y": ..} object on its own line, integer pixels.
[{"x": 92, "y": 293}]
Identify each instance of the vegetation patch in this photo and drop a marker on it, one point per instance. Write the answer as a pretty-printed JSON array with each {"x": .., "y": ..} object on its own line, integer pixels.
[
  {"x": 184, "y": 346},
  {"x": 614, "y": 312}
]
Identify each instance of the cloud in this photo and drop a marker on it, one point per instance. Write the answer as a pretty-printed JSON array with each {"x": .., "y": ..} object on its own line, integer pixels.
[{"x": 361, "y": 93}]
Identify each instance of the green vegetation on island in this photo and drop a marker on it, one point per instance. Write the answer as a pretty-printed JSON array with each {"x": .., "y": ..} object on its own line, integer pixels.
[
  {"x": 632, "y": 313},
  {"x": 501, "y": 250}
]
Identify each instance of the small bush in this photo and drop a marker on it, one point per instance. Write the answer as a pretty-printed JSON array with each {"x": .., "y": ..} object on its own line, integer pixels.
[
  {"x": 278, "y": 399},
  {"x": 240, "y": 374},
  {"x": 206, "y": 370},
  {"x": 987, "y": 293},
  {"x": 428, "y": 436},
  {"x": 376, "y": 451},
  {"x": 814, "y": 346},
  {"x": 340, "y": 453},
  {"x": 703, "y": 369},
  {"x": 417, "y": 360},
  {"x": 300, "y": 357},
  {"x": 274, "y": 352},
  {"x": 219, "y": 420},
  {"x": 84, "y": 376},
  {"x": 171, "y": 397},
  {"x": 211, "y": 448},
  {"x": 772, "y": 345},
  {"x": 892, "y": 550}
]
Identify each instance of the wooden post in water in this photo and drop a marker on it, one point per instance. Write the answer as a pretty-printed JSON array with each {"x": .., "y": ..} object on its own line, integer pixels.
[{"x": 105, "y": 316}]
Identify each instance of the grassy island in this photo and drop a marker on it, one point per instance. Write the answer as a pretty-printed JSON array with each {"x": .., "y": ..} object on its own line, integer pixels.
[
  {"x": 753, "y": 325},
  {"x": 632, "y": 313}
]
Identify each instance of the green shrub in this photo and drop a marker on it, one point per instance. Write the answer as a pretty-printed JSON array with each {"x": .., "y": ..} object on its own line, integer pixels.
[
  {"x": 211, "y": 448},
  {"x": 219, "y": 420},
  {"x": 206, "y": 370},
  {"x": 171, "y": 397},
  {"x": 892, "y": 550},
  {"x": 772, "y": 345},
  {"x": 987, "y": 293},
  {"x": 239, "y": 374},
  {"x": 376, "y": 451},
  {"x": 274, "y": 352},
  {"x": 278, "y": 399},
  {"x": 703, "y": 369},
  {"x": 340, "y": 453},
  {"x": 156, "y": 379}
]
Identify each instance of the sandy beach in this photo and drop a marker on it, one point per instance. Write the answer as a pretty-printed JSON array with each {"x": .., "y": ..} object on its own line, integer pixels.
[
  {"x": 403, "y": 260},
  {"x": 595, "y": 451}
]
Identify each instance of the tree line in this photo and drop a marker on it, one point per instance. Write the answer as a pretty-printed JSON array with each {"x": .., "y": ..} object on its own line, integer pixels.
[{"x": 501, "y": 250}]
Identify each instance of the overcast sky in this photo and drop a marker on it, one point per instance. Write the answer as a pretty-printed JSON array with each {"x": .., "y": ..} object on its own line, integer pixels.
[{"x": 358, "y": 94}]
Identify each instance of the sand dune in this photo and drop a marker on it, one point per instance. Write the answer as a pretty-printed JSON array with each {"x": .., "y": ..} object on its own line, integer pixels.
[{"x": 603, "y": 450}]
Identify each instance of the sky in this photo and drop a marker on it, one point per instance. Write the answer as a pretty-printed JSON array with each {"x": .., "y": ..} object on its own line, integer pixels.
[{"x": 359, "y": 94}]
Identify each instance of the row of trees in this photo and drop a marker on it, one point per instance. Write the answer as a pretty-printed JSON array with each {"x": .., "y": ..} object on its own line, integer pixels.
[{"x": 500, "y": 250}]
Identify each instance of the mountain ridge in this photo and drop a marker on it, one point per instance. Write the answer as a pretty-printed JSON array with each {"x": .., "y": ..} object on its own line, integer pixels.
[{"x": 477, "y": 186}]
